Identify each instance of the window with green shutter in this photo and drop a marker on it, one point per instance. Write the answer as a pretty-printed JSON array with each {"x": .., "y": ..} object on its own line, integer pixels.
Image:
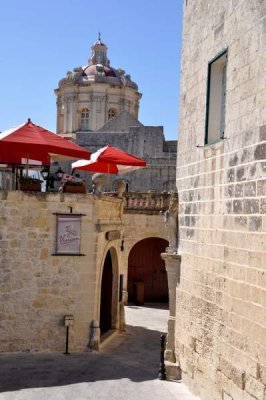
[{"x": 216, "y": 96}]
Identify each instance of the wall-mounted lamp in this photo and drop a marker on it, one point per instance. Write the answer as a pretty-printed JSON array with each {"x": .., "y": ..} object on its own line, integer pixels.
[
  {"x": 45, "y": 174},
  {"x": 59, "y": 174},
  {"x": 122, "y": 246}
]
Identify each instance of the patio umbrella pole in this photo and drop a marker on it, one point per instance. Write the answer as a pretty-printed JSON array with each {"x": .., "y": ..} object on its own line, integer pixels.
[
  {"x": 20, "y": 175},
  {"x": 108, "y": 178},
  {"x": 17, "y": 177},
  {"x": 13, "y": 177},
  {"x": 27, "y": 165}
]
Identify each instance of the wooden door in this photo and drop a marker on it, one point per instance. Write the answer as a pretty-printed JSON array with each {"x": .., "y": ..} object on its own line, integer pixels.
[
  {"x": 106, "y": 295},
  {"x": 145, "y": 264}
]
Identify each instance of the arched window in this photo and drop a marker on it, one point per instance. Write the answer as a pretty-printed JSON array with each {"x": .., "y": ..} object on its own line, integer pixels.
[
  {"x": 85, "y": 116},
  {"x": 111, "y": 113}
]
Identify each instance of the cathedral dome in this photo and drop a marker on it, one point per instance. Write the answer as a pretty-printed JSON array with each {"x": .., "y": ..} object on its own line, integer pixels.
[
  {"x": 88, "y": 96},
  {"x": 98, "y": 70}
]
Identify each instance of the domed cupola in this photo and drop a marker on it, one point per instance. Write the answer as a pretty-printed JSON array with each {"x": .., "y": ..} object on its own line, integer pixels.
[
  {"x": 99, "y": 63},
  {"x": 89, "y": 96}
]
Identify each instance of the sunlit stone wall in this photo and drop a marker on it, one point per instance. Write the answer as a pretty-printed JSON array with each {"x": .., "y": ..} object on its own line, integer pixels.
[
  {"x": 37, "y": 288},
  {"x": 221, "y": 300}
]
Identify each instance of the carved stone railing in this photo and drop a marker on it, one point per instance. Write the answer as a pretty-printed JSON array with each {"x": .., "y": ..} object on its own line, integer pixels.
[{"x": 146, "y": 203}]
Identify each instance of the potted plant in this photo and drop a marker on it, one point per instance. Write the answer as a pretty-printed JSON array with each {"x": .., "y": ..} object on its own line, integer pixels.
[
  {"x": 30, "y": 183},
  {"x": 72, "y": 184}
]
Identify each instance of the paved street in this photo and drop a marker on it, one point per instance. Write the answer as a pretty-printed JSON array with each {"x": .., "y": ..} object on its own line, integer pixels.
[{"x": 126, "y": 368}]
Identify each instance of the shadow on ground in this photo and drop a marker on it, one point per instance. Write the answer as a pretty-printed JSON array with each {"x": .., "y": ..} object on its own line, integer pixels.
[{"x": 134, "y": 355}]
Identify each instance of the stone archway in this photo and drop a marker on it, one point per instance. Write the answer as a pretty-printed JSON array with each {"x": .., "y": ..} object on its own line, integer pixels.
[{"x": 146, "y": 266}]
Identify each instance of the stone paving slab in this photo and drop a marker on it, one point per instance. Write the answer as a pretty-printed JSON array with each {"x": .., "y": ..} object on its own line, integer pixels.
[{"x": 126, "y": 368}]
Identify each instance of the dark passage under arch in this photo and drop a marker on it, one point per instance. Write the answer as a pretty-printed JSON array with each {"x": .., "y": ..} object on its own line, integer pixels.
[
  {"x": 146, "y": 265},
  {"x": 106, "y": 295}
]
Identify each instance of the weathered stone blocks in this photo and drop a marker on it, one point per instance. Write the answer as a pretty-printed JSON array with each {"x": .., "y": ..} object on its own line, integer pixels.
[{"x": 224, "y": 262}]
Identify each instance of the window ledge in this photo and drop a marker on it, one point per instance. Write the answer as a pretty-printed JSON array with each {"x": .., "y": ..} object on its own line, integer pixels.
[
  {"x": 211, "y": 143},
  {"x": 214, "y": 142}
]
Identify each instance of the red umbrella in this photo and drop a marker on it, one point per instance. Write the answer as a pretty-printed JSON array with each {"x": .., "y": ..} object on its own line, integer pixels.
[
  {"x": 110, "y": 160},
  {"x": 31, "y": 141}
]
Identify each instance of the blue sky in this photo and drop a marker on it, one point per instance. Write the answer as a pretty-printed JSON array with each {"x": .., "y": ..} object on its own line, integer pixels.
[{"x": 41, "y": 41}]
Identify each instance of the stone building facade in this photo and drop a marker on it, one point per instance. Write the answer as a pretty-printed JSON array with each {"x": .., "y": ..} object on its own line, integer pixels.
[
  {"x": 98, "y": 105},
  {"x": 38, "y": 287},
  {"x": 146, "y": 142},
  {"x": 221, "y": 166}
]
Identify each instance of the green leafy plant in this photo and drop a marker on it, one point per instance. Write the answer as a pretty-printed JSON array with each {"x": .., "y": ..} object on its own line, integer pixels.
[
  {"x": 69, "y": 183},
  {"x": 29, "y": 179}
]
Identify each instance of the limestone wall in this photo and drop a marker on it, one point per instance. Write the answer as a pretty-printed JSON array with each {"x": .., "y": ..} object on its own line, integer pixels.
[
  {"x": 221, "y": 299},
  {"x": 36, "y": 288}
]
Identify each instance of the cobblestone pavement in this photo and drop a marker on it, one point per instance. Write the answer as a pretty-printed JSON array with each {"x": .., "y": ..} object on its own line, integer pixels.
[{"x": 126, "y": 368}]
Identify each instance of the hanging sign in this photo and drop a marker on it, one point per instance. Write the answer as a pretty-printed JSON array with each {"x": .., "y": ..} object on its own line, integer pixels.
[{"x": 68, "y": 234}]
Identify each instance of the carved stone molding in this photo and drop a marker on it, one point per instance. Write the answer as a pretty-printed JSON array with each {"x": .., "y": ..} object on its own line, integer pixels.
[
  {"x": 97, "y": 98},
  {"x": 113, "y": 235}
]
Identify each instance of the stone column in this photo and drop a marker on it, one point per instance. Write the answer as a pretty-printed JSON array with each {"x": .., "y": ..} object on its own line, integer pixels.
[
  {"x": 172, "y": 265},
  {"x": 122, "y": 320},
  {"x": 58, "y": 115},
  {"x": 73, "y": 114},
  {"x": 64, "y": 130},
  {"x": 68, "y": 115}
]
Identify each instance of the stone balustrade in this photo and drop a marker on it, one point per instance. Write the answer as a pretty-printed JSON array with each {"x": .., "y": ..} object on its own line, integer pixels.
[{"x": 150, "y": 203}]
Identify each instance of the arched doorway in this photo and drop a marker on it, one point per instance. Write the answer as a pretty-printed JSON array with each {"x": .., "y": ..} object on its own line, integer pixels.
[
  {"x": 106, "y": 295},
  {"x": 146, "y": 265}
]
